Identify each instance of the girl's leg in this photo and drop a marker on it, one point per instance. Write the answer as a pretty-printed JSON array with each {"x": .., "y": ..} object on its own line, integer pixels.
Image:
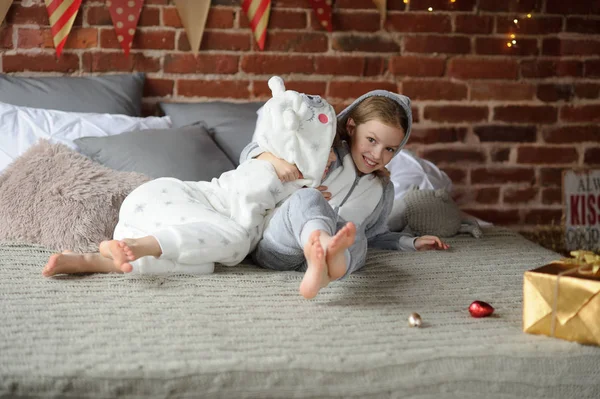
[
  {"x": 356, "y": 253},
  {"x": 70, "y": 262},
  {"x": 302, "y": 236},
  {"x": 129, "y": 249},
  {"x": 190, "y": 248},
  {"x": 168, "y": 223},
  {"x": 282, "y": 245},
  {"x": 150, "y": 265},
  {"x": 336, "y": 261}
]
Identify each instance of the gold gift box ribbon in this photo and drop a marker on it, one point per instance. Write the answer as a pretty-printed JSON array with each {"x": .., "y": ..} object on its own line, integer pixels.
[{"x": 586, "y": 263}]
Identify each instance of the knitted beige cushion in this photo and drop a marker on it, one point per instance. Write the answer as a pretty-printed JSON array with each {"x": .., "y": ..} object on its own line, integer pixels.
[{"x": 56, "y": 197}]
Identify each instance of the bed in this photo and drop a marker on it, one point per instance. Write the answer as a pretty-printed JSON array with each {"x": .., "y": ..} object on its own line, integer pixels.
[
  {"x": 245, "y": 332},
  {"x": 242, "y": 332}
]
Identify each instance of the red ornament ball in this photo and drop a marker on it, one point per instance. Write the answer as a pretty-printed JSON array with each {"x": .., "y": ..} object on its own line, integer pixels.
[{"x": 480, "y": 309}]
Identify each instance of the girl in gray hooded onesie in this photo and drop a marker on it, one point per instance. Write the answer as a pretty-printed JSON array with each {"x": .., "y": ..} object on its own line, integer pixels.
[{"x": 325, "y": 232}]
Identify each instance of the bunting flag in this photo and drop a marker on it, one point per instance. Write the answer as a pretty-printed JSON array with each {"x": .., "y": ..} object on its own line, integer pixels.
[
  {"x": 125, "y": 15},
  {"x": 323, "y": 11},
  {"x": 258, "y": 12},
  {"x": 4, "y": 6},
  {"x": 193, "y": 15},
  {"x": 62, "y": 13},
  {"x": 382, "y": 7}
]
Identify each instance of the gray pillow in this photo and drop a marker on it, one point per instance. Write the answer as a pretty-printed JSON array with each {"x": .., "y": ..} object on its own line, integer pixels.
[
  {"x": 231, "y": 124},
  {"x": 109, "y": 94},
  {"x": 53, "y": 196},
  {"x": 187, "y": 153}
]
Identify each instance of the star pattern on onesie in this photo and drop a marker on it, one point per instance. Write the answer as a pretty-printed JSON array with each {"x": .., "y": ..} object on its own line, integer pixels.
[
  {"x": 182, "y": 219},
  {"x": 236, "y": 254},
  {"x": 315, "y": 146},
  {"x": 139, "y": 208},
  {"x": 225, "y": 241},
  {"x": 275, "y": 191},
  {"x": 167, "y": 203},
  {"x": 158, "y": 224},
  {"x": 164, "y": 191},
  {"x": 201, "y": 241}
]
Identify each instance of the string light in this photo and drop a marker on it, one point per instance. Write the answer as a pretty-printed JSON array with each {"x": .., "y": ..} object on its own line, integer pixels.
[
  {"x": 513, "y": 36},
  {"x": 405, "y": 1},
  {"x": 430, "y": 9}
]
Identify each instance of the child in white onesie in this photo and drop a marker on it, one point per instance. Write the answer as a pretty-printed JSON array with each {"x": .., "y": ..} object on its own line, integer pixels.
[{"x": 168, "y": 225}]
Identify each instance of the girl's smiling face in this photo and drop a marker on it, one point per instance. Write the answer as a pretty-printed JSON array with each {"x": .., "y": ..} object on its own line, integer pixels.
[{"x": 373, "y": 144}]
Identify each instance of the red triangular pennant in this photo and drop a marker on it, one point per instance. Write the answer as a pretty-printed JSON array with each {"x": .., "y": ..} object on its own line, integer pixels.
[
  {"x": 62, "y": 13},
  {"x": 323, "y": 12},
  {"x": 125, "y": 15},
  {"x": 258, "y": 12}
]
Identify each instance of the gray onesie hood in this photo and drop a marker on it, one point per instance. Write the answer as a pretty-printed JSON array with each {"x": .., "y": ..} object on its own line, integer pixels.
[{"x": 399, "y": 98}]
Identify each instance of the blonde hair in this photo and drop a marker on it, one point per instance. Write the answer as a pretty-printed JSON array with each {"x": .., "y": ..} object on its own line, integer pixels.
[{"x": 382, "y": 109}]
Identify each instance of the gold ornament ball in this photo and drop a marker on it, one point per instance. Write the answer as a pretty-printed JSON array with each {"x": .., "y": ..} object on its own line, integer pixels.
[{"x": 414, "y": 320}]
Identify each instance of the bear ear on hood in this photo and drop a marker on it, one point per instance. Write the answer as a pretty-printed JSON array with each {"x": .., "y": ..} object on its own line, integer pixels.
[{"x": 276, "y": 85}]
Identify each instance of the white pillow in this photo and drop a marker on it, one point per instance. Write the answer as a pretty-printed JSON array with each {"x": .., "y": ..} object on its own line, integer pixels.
[
  {"x": 22, "y": 127},
  {"x": 407, "y": 169}
]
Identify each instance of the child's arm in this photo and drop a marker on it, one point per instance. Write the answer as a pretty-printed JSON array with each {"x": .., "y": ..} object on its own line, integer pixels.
[
  {"x": 251, "y": 151},
  {"x": 377, "y": 231},
  {"x": 285, "y": 170},
  {"x": 425, "y": 243},
  {"x": 379, "y": 236}
]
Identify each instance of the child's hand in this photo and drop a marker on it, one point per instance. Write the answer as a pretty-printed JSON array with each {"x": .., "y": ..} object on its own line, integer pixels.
[
  {"x": 425, "y": 243},
  {"x": 323, "y": 190},
  {"x": 285, "y": 170}
]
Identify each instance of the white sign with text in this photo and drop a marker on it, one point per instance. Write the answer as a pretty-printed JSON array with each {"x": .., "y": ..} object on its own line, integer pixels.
[{"x": 581, "y": 192}]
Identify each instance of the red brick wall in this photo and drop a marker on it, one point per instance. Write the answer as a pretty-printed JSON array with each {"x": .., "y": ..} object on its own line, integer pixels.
[{"x": 502, "y": 122}]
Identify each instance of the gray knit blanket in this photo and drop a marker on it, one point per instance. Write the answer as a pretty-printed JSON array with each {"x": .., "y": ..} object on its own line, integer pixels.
[{"x": 245, "y": 332}]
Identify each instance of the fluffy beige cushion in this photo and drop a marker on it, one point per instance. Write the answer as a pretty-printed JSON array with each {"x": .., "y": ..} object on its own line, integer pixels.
[{"x": 54, "y": 196}]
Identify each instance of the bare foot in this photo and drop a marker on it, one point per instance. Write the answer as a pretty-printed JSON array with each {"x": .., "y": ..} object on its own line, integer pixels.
[
  {"x": 316, "y": 276},
  {"x": 69, "y": 262},
  {"x": 336, "y": 248},
  {"x": 119, "y": 252},
  {"x": 129, "y": 249}
]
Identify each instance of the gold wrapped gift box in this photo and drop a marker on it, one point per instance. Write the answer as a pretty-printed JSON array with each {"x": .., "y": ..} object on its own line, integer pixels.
[{"x": 562, "y": 299}]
